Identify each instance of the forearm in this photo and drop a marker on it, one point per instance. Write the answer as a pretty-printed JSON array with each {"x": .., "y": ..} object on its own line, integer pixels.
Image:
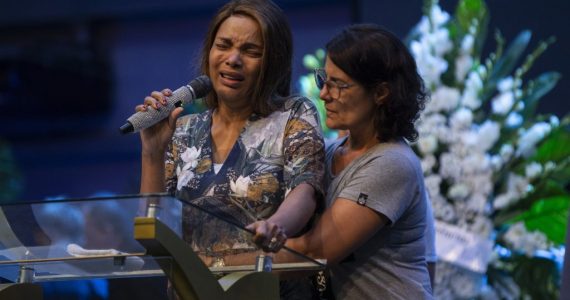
[
  {"x": 296, "y": 210},
  {"x": 339, "y": 231},
  {"x": 152, "y": 173}
]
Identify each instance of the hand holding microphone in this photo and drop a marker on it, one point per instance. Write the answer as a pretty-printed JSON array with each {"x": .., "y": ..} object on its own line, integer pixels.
[{"x": 145, "y": 118}]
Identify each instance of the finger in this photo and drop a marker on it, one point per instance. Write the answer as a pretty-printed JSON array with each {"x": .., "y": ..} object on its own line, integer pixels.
[
  {"x": 151, "y": 102},
  {"x": 167, "y": 92},
  {"x": 159, "y": 96},
  {"x": 141, "y": 107},
  {"x": 261, "y": 236},
  {"x": 174, "y": 116}
]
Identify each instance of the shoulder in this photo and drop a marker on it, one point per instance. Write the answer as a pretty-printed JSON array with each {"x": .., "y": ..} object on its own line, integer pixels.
[
  {"x": 195, "y": 123},
  {"x": 298, "y": 102},
  {"x": 192, "y": 118},
  {"x": 394, "y": 159}
]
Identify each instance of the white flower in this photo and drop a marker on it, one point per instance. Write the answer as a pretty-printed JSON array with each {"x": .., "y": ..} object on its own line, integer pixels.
[
  {"x": 432, "y": 183},
  {"x": 496, "y": 162},
  {"x": 240, "y": 186},
  {"x": 529, "y": 242},
  {"x": 427, "y": 144},
  {"x": 554, "y": 121},
  {"x": 478, "y": 203},
  {"x": 514, "y": 120},
  {"x": 444, "y": 99},
  {"x": 190, "y": 157},
  {"x": 440, "y": 42},
  {"x": 549, "y": 166},
  {"x": 515, "y": 233},
  {"x": 423, "y": 26},
  {"x": 428, "y": 162},
  {"x": 430, "y": 67},
  {"x": 438, "y": 16},
  {"x": 458, "y": 191},
  {"x": 446, "y": 213},
  {"x": 184, "y": 176},
  {"x": 517, "y": 185},
  {"x": 503, "y": 200},
  {"x": 503, "y": 103},
  {"x": 470, "y": 96},
  {"x": 487, "y": 135},
  {"x": 467, "y": 43},
  {"x": 506, "y": 84},
  {"x": 533, "y": 170},
  {"x": 528, "y": 139},
  {"x": 506, "y": 151},
  {"x": 463, "y": 64},
  {"x": 482, "y": 71},
  {"x": 448, "y": 166},
  {"x": 462, "y": 118}
]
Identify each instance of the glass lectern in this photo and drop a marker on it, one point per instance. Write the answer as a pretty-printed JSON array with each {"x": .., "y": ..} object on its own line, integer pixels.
[{"x": 135, "y": 236}]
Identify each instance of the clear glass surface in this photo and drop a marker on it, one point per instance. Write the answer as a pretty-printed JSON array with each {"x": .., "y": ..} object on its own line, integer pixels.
[{"x": 93, "y": 238}]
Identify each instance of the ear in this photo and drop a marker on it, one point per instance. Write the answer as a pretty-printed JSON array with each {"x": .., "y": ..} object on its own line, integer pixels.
[{"x": 381, "y": 93}]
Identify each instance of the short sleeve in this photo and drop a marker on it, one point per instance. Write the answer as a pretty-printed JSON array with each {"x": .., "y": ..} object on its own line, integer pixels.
[
  {"x": 387, "y": 184},
  {"x": 303, "y": 147}
]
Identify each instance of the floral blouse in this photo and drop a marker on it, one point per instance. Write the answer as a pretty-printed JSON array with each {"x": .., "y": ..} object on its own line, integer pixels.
[{"x": 271, "y": 156}]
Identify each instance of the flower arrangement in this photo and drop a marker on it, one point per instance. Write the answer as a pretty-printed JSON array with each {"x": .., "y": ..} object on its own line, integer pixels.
[{"x": 497, "y": 173}]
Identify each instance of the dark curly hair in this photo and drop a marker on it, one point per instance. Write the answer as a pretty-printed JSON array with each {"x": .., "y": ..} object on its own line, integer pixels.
[{"x": 373, "y": 56}]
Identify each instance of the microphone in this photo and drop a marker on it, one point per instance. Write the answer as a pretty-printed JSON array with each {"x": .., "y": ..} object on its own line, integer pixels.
[{"x": 197, "y": 88}]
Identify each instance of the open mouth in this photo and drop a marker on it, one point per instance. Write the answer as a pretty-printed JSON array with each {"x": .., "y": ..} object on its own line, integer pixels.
[{"x": 232, "y": 77}]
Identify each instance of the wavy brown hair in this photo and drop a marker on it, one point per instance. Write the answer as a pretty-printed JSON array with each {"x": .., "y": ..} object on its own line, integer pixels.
[
  {"x": 274, "y": 78},
  {"x": 373, "y": 56}
]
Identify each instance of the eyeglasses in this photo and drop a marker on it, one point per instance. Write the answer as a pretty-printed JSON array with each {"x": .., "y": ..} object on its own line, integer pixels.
[{"x": 334, "y": 87}]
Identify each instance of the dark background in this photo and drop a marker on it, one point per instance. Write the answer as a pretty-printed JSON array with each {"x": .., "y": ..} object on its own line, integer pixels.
[{"x": 71, "y": 72}]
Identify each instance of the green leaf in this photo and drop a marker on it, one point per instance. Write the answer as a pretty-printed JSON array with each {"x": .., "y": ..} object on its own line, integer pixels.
[
  {"x": 555, "y": 147},
  {"x": 548, "y": 188},
  {"x": 507, "y": 62},
  {"x": 549, "y": 216},
  {"x": 537, "y": 277},
  {"x": 536, "y": 89},
  {"x": 469, "y": 10}
]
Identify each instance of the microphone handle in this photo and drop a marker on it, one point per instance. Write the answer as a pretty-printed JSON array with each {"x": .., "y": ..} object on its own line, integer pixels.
[{"x": 144, "y": 119}]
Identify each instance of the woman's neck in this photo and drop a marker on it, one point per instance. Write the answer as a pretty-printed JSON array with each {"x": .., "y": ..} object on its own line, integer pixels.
[
  {"x": 361, "y": 139},
  {"x": 230, "y": 115}
]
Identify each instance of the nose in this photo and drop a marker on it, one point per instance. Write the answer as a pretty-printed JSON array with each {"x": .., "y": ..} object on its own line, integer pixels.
[
  {"x": 234, "y": 59},
  {"x": 324, "y": 94}
]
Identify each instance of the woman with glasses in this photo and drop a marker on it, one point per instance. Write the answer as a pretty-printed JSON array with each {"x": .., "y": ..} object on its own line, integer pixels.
[{"x": 372, "y": 231}]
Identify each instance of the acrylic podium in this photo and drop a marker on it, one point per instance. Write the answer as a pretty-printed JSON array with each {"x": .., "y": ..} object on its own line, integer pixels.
[{"x": 130, "y": 236}]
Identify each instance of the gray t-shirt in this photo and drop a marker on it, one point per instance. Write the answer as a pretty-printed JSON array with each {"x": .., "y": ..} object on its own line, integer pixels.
[{"x": 391, "y": 265}]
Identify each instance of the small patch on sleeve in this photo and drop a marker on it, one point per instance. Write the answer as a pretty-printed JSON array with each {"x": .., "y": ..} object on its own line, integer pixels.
[{"x": 362, "y": 198}]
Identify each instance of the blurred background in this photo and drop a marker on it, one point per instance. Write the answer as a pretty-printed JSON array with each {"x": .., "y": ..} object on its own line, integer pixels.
[{"x": 71, "y": 72}]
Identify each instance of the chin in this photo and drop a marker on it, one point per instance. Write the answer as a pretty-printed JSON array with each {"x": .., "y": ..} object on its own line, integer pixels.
[{"x": 332, "y": 125}]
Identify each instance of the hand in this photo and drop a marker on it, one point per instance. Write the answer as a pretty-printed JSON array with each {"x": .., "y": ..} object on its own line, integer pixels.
[
  {"x": 268, "y": 235},
  {"x": 156, "y": 138}
]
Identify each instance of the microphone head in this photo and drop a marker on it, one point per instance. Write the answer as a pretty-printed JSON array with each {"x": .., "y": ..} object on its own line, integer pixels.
[{"x": 201, "y": 86}]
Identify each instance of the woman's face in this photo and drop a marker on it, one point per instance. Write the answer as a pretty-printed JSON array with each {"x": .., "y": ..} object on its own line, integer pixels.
[
  {"x": 354, "y": 108},
  {"x": 235, "y": 58}
]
